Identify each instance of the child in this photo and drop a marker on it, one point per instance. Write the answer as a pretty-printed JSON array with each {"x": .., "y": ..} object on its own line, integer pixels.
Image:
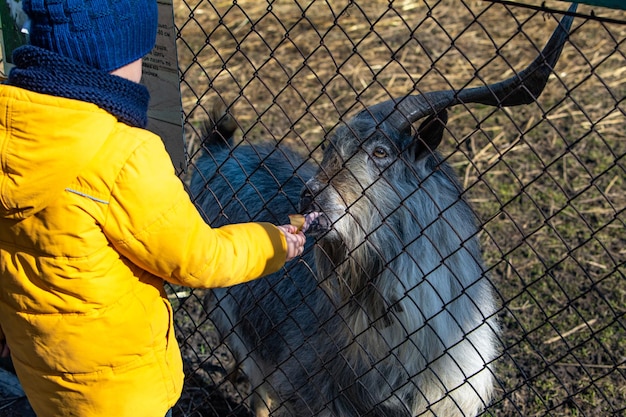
[{"x": 93, "y": 219}]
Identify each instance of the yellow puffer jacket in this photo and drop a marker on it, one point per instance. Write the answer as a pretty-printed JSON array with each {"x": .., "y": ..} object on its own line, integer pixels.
[{"x": 92, "y": 220}]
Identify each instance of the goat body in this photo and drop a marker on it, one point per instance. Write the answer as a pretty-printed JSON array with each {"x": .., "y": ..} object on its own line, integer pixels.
[{"x": 390, "y": 312}]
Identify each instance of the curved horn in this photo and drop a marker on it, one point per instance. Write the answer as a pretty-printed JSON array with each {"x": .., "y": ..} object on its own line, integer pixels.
[{"x": 522, "y": 88}]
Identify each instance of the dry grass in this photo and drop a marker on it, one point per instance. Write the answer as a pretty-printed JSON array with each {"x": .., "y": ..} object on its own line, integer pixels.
[{"x": 547, "y": 180}]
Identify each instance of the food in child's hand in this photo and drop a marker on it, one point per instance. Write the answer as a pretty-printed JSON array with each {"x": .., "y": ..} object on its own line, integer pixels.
[
  {"x": 302, "y": 222},
  {"x": 297, "y": 220}
]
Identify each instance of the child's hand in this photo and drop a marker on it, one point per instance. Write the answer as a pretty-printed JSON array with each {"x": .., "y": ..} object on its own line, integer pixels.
[
  {"x": 294, "y": 232},
  {"x": 295, "y": 240}
]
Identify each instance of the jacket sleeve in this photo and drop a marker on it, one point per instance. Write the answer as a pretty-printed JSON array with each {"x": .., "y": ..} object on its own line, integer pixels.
[{"x": 152, "y": 222}]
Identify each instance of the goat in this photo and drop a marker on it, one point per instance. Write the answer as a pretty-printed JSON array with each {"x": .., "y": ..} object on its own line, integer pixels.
[{"x": 390, "y": 312}]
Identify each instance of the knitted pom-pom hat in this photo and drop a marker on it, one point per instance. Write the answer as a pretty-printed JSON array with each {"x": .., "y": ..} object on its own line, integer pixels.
[{"x": 104, "y": 34}]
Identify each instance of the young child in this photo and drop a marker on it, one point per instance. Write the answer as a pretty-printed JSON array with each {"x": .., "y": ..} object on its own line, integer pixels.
[{"x": 93, "y": 219}]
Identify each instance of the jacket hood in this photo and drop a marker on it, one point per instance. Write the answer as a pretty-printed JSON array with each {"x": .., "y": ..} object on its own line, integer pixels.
[{"x": 45, "y": 142}]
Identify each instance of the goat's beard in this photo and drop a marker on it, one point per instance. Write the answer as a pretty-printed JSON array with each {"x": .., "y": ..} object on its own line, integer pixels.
[
  {"x": 349, "y": 277},
  {"x": 354, "y": 254}
]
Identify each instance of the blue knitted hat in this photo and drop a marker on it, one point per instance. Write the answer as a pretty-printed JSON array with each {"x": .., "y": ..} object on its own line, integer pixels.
[{"x": 104, "y": 34}]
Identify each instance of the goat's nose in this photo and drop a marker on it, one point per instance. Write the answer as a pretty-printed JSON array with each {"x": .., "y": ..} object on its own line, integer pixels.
[
  {"x": 309, "y": 192},
  {"x": 306, "y": 199}
]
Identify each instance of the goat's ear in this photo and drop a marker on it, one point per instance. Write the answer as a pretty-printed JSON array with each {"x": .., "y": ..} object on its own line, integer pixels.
[{"x": 429, "y": 135}]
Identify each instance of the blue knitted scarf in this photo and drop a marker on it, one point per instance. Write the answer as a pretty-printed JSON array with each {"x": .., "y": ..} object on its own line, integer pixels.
[{"x": 46, "y": 72}]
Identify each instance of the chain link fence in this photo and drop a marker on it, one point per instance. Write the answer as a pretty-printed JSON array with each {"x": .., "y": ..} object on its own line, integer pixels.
[{"x": 547, "y": 180}]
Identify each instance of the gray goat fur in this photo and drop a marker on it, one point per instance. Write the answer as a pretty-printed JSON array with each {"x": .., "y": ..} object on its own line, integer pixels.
[{"x": 389, "y": 311}]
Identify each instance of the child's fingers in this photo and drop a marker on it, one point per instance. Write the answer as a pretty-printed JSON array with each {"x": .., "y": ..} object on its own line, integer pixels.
[
  {"x": 309, "y": 219},
  {"x": 288, "y": 229}
]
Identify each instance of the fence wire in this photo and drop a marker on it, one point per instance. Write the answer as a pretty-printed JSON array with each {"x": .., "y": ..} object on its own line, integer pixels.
[{"x": 547, "y": 183}]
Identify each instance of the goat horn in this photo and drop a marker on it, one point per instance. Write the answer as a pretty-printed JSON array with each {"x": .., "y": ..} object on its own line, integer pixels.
[{"x": 522, "y": 88}]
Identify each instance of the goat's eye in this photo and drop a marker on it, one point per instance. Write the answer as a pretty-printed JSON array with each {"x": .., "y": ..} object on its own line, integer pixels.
[{"x": 380, "y": 152}]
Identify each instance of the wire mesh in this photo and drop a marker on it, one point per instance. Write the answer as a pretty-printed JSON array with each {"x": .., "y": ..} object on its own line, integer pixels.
[{"x": 546, "y": 181}]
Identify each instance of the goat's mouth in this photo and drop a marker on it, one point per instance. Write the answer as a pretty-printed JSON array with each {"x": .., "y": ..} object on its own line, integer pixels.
[{"x": 317, "y": 223}]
